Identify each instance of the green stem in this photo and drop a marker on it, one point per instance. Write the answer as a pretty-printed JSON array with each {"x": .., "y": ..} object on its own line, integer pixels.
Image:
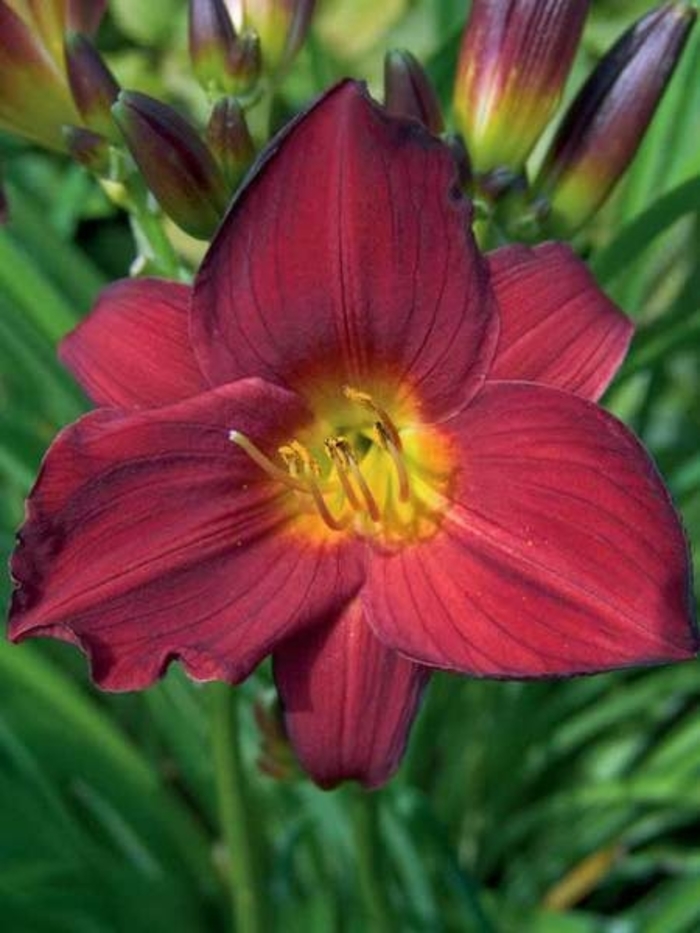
[
  {"x": 368, "y": 850},
  {"x": 234, "y": 813},
  {"x": 155, "y": 250}
]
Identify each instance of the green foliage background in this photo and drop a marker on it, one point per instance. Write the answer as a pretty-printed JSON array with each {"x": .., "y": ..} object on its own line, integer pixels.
[{"x": 108, "y": 817}]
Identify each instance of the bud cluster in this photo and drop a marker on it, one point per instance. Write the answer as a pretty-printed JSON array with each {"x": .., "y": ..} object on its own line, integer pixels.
[
  {"x": 514, "y": 61},
  {"x": 58, "y": 91}
]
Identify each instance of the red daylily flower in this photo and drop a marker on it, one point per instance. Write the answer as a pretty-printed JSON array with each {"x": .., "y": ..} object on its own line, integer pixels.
[{"x": 357, "y": 446}]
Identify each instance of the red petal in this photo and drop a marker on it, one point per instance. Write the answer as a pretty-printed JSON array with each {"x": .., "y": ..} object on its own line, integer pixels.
[
  {"x": 151, "y": 536},
  {"x": 557, "y": 326},
  {"x": 349, "y": 702},
  {"x": 561, "y": 552},
  {"x": 133, "y": 350},
  {"x": 349, "y": 252}
]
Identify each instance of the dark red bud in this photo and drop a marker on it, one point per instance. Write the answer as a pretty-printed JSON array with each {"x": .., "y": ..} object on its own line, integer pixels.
[
  {"x": 92, "y": 84},
  {"x": 176, "y": 164},
  {"x": 229, "y": 139},
  {"x": 606, "y": 122},
  {"x": 514, "y": 60},
  {"x": 212, "y": 39},
  {"x": 408, "y": 91},
  {"x": 85, "y": 16}
]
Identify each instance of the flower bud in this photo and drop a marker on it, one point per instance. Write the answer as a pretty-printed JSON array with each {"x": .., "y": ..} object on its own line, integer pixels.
[
  {"x": 408, "y": 91},
  {"x": 212, "y": 41},
  {"x": 34, "y": 98},
  {"x": 92, "y": 84},
  {"x": 513, "y": 64},
  {"x": 282, "y": 26},
  {"x": 229, "y": 140},
  {"x": 89, "y": 149},
  {"x": 605, "y": 124},
  {"x": 177, "y": 166},
  {"x": 85, "y": 16}
]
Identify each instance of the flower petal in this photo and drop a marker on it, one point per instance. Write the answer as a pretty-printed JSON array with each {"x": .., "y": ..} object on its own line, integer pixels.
[
  {"x": 151, "y": 536},
  {"x": 557, "y": 326},
  {"x": 561, "y": 552},
  {"x": 353, "y": 237},
  {"x": 133, "y": 350},
  {"x": 348, "y": 701}
]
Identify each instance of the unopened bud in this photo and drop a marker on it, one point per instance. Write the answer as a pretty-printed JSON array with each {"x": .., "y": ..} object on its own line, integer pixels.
[
  {"x": 89, "y": 149},
  {"x": 213, "y": 43},
  {"x": 282, "y": 26},
  {"x": 175, "y": 163},
  {"x": 85, "y": 16},
  {"x": 92, "y": 84},
  {"x": 34, "y": 97},
  {"x": 408, "y": 91},
  {"x": 605, "y": 124},
  {"x": 229, "y": 140},
  {"x": 513, "y": 64}
]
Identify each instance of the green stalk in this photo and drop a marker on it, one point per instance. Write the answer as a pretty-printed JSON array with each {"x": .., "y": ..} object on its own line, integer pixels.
[
  {"x": 155, "y": 251},
  {"x": 234, "y": 812},
  {"x": 368, "y": 847}
]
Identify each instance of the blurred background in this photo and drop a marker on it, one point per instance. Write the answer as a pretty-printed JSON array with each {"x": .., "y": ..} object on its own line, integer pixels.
[{"x": 550, "y": 807}]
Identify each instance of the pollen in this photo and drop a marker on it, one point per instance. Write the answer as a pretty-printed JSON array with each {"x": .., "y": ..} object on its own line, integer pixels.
[{"x": 371, "y": 476}]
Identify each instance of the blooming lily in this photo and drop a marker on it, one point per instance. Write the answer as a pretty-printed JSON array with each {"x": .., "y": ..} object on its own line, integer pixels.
[{"x": 358, "y": 446}]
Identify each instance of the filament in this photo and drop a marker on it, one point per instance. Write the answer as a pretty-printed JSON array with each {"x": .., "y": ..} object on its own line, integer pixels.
[
  {"x": 402, "y": 473},
  {"x": 263, "y": 461}
]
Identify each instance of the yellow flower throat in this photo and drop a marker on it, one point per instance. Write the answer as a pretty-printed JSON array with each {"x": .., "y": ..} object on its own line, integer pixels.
[{"x": 362, "y": 474}]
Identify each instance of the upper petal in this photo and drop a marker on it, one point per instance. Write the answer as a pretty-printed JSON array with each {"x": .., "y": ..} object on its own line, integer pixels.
[
  {"x": 560, "y": 554},
  {"x": 557, "y": 326},
  {"x": 149, "y": 535},
  {"x": 349, "y": 253},
  {"x": 133, "y": 350},
  {"x": 349, "y": 702}
]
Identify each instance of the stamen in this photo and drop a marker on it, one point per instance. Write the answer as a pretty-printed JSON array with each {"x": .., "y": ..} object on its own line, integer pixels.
[
  {"x": 263, "y": 461},
  {"x": 335, "y": 524},
  {"x": 337, "y": 450},
  {"x": 299, "y": 460},
  {"x": 388, "y": 445},
  {"x": 354, "y": 469},
  {"x": 366, "y": 400}
]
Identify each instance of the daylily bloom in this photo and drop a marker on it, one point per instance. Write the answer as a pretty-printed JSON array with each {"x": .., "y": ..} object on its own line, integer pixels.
[
  {"x": 359, "y": 447},
  {"x": 35, "y": 98}
]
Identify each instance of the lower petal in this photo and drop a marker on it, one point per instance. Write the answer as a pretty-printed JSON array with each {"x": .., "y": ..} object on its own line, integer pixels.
[
  {"x": 561, "y": 552},
  {"x": 348, "y": 701},
  {"x": 151, "y": 536}
]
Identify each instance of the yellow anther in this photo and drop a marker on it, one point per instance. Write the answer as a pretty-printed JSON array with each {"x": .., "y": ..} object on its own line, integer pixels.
[
  {"x": 303, "y": 456},
  {"x": 339, "y": 452},
  {"x": 366, "y": 401}
]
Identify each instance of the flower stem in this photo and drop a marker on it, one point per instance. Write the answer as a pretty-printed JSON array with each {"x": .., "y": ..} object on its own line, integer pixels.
[
  {"x": 155, "y": 251},
  {"x": 368, "y": 847},
  {"x": 234, "y": 812}
]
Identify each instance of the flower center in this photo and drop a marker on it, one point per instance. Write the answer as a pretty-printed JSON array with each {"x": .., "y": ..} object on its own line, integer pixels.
[{"x": 358, "y": 471}]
